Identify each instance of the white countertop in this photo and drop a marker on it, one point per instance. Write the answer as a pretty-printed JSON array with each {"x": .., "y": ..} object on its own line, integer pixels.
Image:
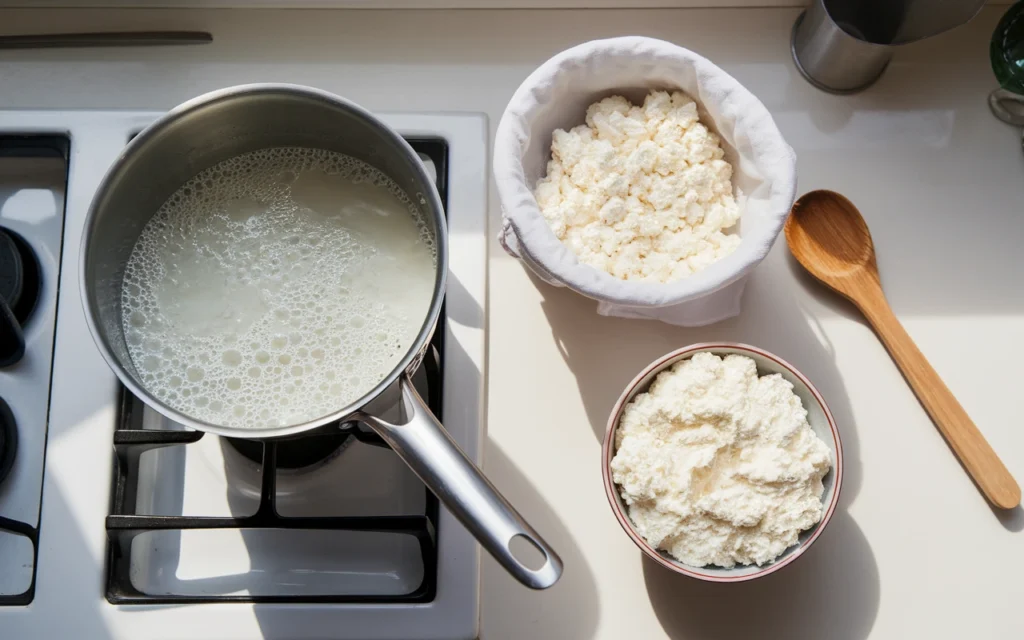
[{"x": 913, "y": 550}]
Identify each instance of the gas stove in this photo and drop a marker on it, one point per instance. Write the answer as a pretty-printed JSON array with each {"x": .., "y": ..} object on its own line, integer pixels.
[{"x": 115, "y": 522}]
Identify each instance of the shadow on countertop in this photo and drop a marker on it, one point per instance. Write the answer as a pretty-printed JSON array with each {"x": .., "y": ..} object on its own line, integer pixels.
[
  {"x": 1011, "y": 519},
  {"x": 569, "y": 610},
  {"x": 604, "y": 354},
  {"x": 832, "y": 591},
  {"x": 836, "y": 584}
]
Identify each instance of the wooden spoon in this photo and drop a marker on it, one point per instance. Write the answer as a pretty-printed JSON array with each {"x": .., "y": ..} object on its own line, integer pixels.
[{"x": 828, "y": 236}]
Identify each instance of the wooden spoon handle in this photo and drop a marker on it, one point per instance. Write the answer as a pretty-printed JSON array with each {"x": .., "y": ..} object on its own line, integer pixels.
[{"x": 956, "y": 426}]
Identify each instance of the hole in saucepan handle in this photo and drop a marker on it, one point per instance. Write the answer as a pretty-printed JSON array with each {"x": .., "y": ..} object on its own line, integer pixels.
[{"x": 527, "y": 552}]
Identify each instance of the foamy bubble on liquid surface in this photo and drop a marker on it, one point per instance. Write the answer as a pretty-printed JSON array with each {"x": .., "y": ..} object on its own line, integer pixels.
[{"x": 277, "y": 287}]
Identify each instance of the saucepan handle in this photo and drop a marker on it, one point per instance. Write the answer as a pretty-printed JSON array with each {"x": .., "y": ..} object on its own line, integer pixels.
[{"x": 424, "y": 444}]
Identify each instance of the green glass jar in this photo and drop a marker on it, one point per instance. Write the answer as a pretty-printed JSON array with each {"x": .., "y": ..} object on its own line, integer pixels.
[{"x": 1007, "y": 50}]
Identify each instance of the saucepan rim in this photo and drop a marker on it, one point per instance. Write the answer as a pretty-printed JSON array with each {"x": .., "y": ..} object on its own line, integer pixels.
[{"x": 409, "y": 362}]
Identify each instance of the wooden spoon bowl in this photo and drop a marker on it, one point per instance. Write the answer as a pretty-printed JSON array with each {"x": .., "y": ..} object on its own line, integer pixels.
[{"x": 826, "y": 225}]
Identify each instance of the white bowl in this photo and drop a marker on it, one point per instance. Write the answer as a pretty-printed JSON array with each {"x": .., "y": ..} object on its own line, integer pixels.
[
  {"x": 556, "y": 96},
  {"x": 818, "y": 416}
]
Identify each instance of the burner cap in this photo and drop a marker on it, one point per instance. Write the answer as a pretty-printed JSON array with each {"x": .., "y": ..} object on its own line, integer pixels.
[
  {"x": 19, "y": 274},
  {"x": 295, "y": 453},
  {"x": 8, "y": 439}
]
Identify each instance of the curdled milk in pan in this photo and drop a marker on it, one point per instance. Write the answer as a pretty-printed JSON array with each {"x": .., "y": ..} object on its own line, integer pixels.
[{"x": 277, "y": 287}]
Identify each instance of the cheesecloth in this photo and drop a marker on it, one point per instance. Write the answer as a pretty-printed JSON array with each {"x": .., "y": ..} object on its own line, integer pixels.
[{"x": 556, "y": 96}]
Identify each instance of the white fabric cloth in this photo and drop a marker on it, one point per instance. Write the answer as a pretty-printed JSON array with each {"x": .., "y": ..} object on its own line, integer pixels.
[{"x": 556, "y": 96}]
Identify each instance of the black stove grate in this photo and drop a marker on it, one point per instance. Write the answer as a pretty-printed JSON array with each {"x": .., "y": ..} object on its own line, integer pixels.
[{"x": 131, "y": 441}]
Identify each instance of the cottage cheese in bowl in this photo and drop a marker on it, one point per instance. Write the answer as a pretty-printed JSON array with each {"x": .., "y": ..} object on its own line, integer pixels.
[
  {"x": 717, "y": 466},
  {"x": 641, "y": 192}
]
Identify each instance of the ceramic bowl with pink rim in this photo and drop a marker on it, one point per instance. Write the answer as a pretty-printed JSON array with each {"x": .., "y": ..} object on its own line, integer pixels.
[{"x": 818, "y": 416}]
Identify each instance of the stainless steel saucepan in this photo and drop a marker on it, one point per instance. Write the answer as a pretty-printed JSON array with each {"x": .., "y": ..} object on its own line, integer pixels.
[{"x": 237, "y": 120}]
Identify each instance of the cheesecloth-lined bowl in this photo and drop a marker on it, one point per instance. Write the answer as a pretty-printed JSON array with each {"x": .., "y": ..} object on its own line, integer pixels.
[{"x": 556, "y": 96}]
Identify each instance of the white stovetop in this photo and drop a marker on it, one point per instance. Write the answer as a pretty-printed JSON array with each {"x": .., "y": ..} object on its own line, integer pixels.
[
  {"x": 913, "y": 550},
  {"x": 69, "y": 594}
]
